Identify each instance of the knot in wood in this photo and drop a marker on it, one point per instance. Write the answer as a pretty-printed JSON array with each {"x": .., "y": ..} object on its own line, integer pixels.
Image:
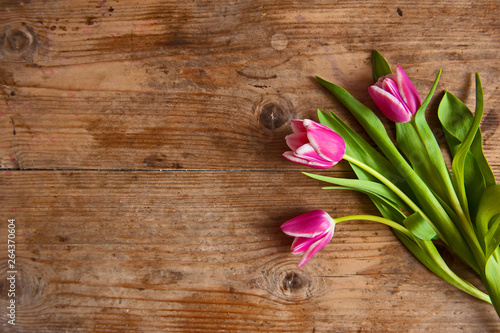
[
  {"x": 293, "y": 285},
  {"x": 272, "y": 116},
  {"x": 18, "y": 42},
  {"x": 274, "y": 112},
  {"x": 293, "y": 282},
  {"x": 31, "y": 290}
]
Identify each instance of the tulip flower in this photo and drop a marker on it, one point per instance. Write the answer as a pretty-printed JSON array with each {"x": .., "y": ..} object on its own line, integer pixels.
[
  {"x": 314, "y": 145},
  {"x": 312, "y": 231},
  {"x": 396, "y": 96}
]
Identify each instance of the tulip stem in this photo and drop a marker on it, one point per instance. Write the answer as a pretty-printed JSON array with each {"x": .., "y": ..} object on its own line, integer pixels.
[
  {"x": 394, "y": 188},
  {"x": 378, "y": 219}
]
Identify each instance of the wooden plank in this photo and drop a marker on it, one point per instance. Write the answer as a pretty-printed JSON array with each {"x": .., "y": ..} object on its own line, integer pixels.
[
  {"x": 208, "y": 85},
  {"x": 182, "y": 251}
]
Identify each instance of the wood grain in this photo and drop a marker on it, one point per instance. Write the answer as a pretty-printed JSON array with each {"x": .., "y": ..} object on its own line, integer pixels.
[
  {"x": 201, "y": 85},
  {"x": 140, "y": 155},
  {"x": 188, "y": 251}
]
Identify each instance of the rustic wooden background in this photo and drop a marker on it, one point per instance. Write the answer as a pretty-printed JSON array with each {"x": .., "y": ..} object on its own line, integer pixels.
[{"x": 140, "y": 155}]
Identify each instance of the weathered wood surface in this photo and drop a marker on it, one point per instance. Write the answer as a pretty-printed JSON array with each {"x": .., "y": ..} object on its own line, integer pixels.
[
  {"x": 140, "y": 155},
  {"x": 190, "y": 251}
]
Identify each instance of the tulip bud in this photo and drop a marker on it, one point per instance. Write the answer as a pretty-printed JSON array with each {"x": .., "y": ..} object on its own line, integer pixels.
[
  {"x": 314, "y": 145},
  {"x": 312, "y": 231},
  {"x": 396, "y": 96}
]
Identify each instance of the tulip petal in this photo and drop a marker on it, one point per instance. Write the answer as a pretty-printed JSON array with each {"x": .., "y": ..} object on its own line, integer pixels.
[
  {"x": 316, "y": 164},
  {"x": 295, "y": 140},
  {"x": 301, "y": 244},
  {"x": 407, "y": 90},
  {"x": 297, "y": 125},
  {"x": 307, "y": 151},
  {"x": 392, "y": 107},
  {"x": 382, "y": 78},
  {"x": 310, "y": 224},
  {"x": 315, "y": 247},
  {"x": 326, "y": 142},
  {"x": 391, "y": 87}
]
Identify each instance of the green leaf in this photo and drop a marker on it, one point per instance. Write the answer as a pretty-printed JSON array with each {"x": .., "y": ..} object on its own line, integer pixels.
[
  {"x": 419, "y": 227},
  {"x": 429, "y": 95},
  {"x": 458, "y": 163},
  {"x": 380, "y": 66},
  {"x": 364, "y": 186},
  {"x": 409, "y": 143},
  {"x": 477, "y": 151},
  {"x": 492, "y": 276},
  {"x": 456, "y": 120},
  {"x": 493, "y": 238},
  {"x": 489, "y": 206},
  {"x": 477, "y": 173},
  {"x": 487, "y": 221},
  {"x": 430, "y": 155},
  {"x": 493, "y": 235}
]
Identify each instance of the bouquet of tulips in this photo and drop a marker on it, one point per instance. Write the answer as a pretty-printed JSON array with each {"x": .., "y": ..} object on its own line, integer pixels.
[{"x": 409, "y": 182}]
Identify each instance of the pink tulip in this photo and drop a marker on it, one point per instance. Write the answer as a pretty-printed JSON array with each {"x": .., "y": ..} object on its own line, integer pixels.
[
  {"x": 312, "y": 231},
  {"x": 314, "y": 145},
  {"x": 396, "y": 96}
]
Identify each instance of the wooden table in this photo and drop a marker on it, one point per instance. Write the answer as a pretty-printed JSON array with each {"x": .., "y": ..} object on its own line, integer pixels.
[{"x": 140, "y": 148}]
